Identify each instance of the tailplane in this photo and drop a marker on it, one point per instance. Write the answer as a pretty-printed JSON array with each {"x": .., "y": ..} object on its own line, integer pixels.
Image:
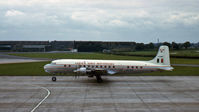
[{"x": 162, "y": 57}]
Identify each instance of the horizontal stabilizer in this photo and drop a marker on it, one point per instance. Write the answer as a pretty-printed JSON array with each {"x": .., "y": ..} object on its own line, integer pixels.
[{"x": 167, "y": 68}]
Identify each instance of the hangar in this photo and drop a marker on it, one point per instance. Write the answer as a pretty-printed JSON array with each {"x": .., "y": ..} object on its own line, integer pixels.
[
  {"x": 35, "y": 46},
  {"x": 24, "y": 46}
]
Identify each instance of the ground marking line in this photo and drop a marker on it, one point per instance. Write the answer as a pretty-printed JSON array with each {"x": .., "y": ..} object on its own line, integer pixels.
[{"x": 42, "y": 99}]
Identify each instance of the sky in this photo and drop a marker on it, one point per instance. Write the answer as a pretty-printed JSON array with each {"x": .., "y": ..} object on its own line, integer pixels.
[{"x": 100, "y": 20}]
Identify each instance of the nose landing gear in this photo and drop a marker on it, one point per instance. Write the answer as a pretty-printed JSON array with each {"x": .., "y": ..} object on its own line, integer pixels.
[
  {"x": 90, "y": 75},
  {"x": 54, "y": 79}
]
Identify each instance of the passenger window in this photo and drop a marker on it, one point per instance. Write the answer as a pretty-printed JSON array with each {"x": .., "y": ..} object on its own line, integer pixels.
[
  {"x": 88, "y": 66},
  {"x": 113, "y": 66},
  {"x": 92, "y": 66},
  {"x": 141, "y": 67},
  {"x": 136, "y": 67},
  {"x": 69, "y": 65},
  {"x": 101, "y": 66},
  {"x": 64, "y": 65},
  {"x": 109, "y": 66},
  {"x": 127, "y": 66},
  {"x": 84, "y": 65},
  {"x": 104, "y": 66},
  {"x": 132, "y": 67},
  {"x": 96, "y": 66}
]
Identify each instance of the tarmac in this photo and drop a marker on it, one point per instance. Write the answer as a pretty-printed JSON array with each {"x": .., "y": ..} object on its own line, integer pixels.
[{"x": 115, "y": 94}]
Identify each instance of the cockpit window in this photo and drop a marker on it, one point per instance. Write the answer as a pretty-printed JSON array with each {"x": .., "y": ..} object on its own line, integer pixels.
[{"x": 53, "y": 63}]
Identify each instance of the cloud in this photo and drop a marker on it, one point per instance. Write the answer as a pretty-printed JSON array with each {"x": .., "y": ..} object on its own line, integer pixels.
[
  {"x": 99, "y": 18},
  {"x": 116, "y": 22},
  {"x": 106, "y": 18},
  {"x": 18, "y": 18},
  {"x": 184, "y": 18},
  {"x": 14, "y": 13},
  {"x": 112, "y": 19}
]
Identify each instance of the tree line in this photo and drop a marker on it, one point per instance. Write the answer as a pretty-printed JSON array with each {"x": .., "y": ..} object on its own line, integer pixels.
[{"x": 99, "y": 46}]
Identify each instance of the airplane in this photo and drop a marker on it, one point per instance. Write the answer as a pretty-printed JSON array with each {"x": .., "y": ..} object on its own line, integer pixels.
[{"x": 98, "y": 68}]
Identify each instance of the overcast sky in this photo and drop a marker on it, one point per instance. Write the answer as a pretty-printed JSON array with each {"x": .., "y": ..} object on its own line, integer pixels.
[{"x": 103, "y": 20}]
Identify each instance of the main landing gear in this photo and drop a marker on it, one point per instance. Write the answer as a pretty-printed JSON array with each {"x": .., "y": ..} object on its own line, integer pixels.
[
  {"x": 54, "y": 79},
  {"x": 90, "y": 75},
  {"x": 99, "y": 78}
]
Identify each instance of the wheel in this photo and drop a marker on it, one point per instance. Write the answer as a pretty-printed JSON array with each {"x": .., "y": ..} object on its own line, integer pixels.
[
  {"x": 54, "y": 79},
  {"x": 99, "y": 79},
  {"x": 90, "y": 75}
]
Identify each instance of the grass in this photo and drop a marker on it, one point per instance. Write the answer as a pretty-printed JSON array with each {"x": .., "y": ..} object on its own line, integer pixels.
[
  {"x": 36, "y": 69},
  {"x": 23, "y": 69},
  {"x": 173, "y": 53},
  {"x": 184, "y": 61},
  {"x": 178, "y": 71},
  {"x": 78, "y": 56},
  {"x": 100, "y": 56}
]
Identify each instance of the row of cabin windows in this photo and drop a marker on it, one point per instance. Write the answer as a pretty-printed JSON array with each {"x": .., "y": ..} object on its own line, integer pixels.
[
  {"x": 96, "y": 66},
  {"x": 134, "y": 67},
  {"x": 105, "y": 66},
  {"x": 68, "y": 65}
]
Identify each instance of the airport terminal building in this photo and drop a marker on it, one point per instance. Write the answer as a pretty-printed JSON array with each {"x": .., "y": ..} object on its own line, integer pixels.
[{"x": 35, "y": 46}]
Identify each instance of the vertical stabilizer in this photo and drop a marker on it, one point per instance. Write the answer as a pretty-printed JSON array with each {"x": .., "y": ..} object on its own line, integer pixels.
[{"x": 162, "y": 57}]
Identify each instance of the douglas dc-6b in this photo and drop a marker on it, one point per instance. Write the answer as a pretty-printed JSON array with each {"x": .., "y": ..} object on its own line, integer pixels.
[{"x": 98, "y": 68}]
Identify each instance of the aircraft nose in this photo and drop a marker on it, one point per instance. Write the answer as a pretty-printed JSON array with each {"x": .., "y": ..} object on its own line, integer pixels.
[{"x": 46, "y": 67}]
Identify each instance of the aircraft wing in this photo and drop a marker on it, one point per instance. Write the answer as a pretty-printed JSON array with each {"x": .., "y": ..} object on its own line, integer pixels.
[
  {"x": 96, "y": 70},
  {"x": 111, "y": 72},
  {"x": 99, "y": 70},
  {"x": 166, "y": 68},
  {"x": 103, "y": 71}
]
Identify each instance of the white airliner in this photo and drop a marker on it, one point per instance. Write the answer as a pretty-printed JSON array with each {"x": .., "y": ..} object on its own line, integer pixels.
[{"x": 98, "y": 68}]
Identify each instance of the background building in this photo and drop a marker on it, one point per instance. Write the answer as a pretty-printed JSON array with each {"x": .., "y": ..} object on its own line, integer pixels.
[{"x": 24, "y": 46}]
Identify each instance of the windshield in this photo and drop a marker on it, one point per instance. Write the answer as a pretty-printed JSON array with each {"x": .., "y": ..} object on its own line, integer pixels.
[{"x": 53, "y": 63}]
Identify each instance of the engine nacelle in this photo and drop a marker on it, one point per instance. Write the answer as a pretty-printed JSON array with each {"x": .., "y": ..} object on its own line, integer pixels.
[{"x": 82, "y": 70}]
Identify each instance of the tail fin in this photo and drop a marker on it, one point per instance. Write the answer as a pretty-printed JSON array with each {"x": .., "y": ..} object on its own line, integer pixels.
[{"x": 162, "y": 57}]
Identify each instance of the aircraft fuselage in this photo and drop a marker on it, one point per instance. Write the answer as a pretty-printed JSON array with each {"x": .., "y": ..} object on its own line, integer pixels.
[
  {"x": 110, "y": 67},
  {"x": 69, "y": 65}
]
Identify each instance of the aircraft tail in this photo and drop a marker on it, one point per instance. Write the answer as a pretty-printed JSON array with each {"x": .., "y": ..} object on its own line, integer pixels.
[{"x": 162, "y": 56}]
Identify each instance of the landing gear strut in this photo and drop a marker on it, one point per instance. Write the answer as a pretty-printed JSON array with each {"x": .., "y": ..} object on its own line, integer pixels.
[
  {"x": 99, "y": 79},
  {"x": 90, "y": 75},
  {"x": 54, "y": 79}
]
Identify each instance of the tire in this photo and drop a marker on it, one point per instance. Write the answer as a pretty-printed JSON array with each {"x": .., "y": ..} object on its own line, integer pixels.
[
  {"x": 54, "y": 79},
  {"x": 99, "y": 79},
  {"x": 90, "y": 75}
]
